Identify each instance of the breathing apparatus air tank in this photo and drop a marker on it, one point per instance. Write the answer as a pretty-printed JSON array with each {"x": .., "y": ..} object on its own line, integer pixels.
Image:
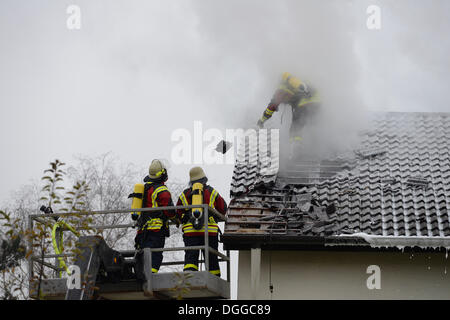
[
  {"x": 197, "y": 213},
  {"x": 138, "y": 197}
]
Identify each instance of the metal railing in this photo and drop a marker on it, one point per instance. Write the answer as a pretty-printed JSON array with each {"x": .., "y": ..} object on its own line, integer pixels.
[{"x": 43, "y": 219}]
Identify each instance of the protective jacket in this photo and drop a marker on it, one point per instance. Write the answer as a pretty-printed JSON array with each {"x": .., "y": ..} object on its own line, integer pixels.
[
  {"x": 210, "y": 197},
  {"x": 156, "y": 194},
  {"x": 288, "y": 94}
]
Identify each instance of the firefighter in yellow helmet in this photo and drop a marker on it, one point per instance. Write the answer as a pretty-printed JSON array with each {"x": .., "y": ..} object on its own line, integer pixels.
[
  {"x": 193, "y": 229},
  {"x": 301, "y": 97},
  {"x": 153, "y": 226}
]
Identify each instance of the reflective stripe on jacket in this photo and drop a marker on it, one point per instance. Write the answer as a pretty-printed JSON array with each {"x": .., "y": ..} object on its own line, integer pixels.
[
  {"x": 288, "y": 95},
  {"x": 312, "y": 98},
  {"x": 210, "y": 197},
  {"x": 155, "y": 224}
]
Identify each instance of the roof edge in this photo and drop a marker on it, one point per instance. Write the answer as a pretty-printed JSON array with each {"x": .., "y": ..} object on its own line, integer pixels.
[
  {"x": 441, "y": 113},
  {"x": 332, "y": 243},
  {"x": 401, "y": 241}
]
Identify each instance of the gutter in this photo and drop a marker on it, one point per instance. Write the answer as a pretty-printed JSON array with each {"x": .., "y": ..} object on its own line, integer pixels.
[
  {"x": 283, "y": 242},
  {"x": 344, "y": 242},
  {"x": 400, "y": 242}
]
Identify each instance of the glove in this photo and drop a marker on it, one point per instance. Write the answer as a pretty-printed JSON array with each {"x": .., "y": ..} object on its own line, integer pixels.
[
  {"x": 176, "y": 221},
  {"x": 260, "y": 124}
]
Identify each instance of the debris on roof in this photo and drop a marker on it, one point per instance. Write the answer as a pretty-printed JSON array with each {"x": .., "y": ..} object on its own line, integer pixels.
[
  {"x": 417, "y": 181},
  {"x": 370, "y": 152},
  {"x": 381, "y": 186},
  {"x": 281, "y": 211},
  {"x": 223, "y": 146},
  {"x": 257, "y": 163},
  {"x": 398, "y": 185},
  {"x": 388, "y": 181}
]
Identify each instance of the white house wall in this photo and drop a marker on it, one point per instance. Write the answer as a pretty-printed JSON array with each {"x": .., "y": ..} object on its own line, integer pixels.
[{"x": 344, "y": 275}]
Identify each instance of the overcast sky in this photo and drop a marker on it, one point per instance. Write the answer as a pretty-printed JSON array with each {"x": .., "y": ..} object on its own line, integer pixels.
[{"x": 138, "y": 70}]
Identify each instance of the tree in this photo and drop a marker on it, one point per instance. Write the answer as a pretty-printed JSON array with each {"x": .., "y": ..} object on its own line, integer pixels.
[
  {"x": 12, "y": 251},
  {"x": 109, "y": 185},
  {"x": 13, "y": 225},
  {"x": 97, "y": 183},
  {"x": 52, "y": 190}
]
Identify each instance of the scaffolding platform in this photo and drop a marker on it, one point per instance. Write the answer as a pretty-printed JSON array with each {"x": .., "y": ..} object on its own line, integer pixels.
[
  {"x": 166, "y": 285},
  {"x": 98, "y": 278}
]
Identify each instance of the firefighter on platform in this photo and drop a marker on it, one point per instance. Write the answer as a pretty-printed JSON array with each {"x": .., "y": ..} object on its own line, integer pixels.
[
  {"x": 153, "y": 226},
  {"x": 302, "y": 98},
  {"x": 200, "y": 192}
]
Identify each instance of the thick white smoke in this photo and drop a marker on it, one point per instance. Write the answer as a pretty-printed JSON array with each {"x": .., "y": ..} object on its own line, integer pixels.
[
  {"x": 406, "y": 64},
  {"x": 258, "y": 40},
  {"x": 142, "y": 66}
]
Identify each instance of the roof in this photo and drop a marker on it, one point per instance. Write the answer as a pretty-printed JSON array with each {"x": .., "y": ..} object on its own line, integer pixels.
[{"x": 395, "y": 186}]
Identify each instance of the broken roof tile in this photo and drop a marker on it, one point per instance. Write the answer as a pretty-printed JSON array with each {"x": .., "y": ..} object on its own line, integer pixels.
[{"x": 397, "y": 184}]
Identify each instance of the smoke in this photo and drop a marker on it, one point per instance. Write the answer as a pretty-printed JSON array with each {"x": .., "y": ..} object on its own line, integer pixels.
[
  {"x": 405, "y": 63},
  {"x": 258, "y": 40},
  {"x": 404, "y": 66},
  {"x": 138, "y": 70}
]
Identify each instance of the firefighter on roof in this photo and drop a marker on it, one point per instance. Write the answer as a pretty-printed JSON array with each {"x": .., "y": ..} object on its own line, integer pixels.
[
  {"x": 192, "y": 219},
  {"x": 153, "y": 226},
  {"x": 299, "y": 96}
]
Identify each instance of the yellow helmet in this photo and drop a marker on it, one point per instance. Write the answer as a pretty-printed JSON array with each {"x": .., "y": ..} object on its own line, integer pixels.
[
  {"x": 293, "y": 82},
  {"x": 196, "y": 173},
  {"x": 285, "y": 76},
  {"x": 157, "y": 169}
]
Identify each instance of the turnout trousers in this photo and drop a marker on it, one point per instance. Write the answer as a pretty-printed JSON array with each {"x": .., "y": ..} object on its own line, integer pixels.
[
  {"x": 191, "y": 256},
  {"x": 153, "y": 239}
]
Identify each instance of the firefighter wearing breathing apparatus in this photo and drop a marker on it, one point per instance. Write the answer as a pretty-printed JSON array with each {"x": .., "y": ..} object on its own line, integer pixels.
[
  {"x": 153, "y": 226},
  {"x": 303, "y": 99},
  {"x": 192, "y": 219}
]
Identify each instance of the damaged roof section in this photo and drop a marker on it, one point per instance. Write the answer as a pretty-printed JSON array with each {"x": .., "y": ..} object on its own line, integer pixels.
[
  {"x": 281, "y": 212},
  {"x": 257, "y": 161},
  {"x": 396, "y": 185},
  {"x": 370, "y": 152},
  {"x": 405, "y": 188}
]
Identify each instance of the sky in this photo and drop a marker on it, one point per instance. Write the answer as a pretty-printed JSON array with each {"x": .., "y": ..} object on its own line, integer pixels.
[{"x": 137, "y": 71}]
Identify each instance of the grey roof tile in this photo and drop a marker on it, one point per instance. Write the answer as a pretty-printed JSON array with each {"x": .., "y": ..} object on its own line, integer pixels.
[{"x": 397, "y": 183}]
